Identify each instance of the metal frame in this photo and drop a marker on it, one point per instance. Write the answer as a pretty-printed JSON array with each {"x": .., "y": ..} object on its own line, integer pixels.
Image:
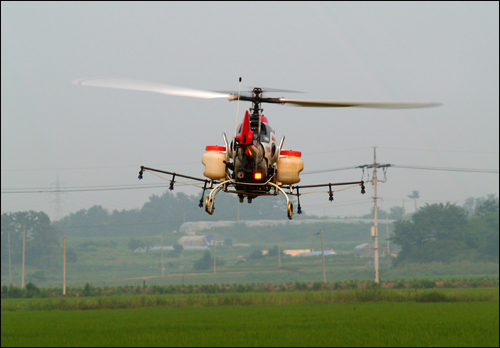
[{"x": 223, "y": 186}]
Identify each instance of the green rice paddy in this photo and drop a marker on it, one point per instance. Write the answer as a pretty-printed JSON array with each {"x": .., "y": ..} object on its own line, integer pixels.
[{"x": 303, "y": 324}]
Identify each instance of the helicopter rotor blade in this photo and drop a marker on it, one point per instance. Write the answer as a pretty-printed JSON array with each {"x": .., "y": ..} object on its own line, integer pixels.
[
  {"x": 138, "y": 85},
  {"x": 264, "y": 90},
  {"x": 361, "y": 104}
]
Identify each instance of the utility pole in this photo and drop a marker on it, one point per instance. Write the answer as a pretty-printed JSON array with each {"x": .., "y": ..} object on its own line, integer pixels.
[
  {"x": 279, "y": 256},
  {"x": 10, "y": 265},
  {"x": 387, "y": 224},
  {"x": 24, "y": 253},
  {"x": 375, "y": 237},
  {"x": 375, "y": 182},
  {"x": 161, "y": 254},
  {"x": 323, "y": 253},
  {"x": 215, "y": 254},
  {"x": 64, "y": 265}
]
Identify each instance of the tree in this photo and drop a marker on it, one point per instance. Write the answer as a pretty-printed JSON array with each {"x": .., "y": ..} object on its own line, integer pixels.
[
  {"x": 469, "y": 204},
  {"x": 42, "y": 243},
  {"x": 256, "y": 254},
  {"x": 206, "y": 262},
  {"x": 487, "y": 207},
  {"x": 414, "y": 196},
  {"x": 177, "y": 250},
  {"x": 396, "y": 213},
  {"x": 71, "y": 255},
  {"x": 274, "y": 251},
  {"x": 485, "y": 226},
  {"x": 435, "y": 233},
  {"x": 134, "y": 244},
  {"x": 381, "y": 214}
]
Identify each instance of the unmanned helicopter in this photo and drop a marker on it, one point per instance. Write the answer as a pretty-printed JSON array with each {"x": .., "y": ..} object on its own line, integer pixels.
[{"x": 253, "y": 164}]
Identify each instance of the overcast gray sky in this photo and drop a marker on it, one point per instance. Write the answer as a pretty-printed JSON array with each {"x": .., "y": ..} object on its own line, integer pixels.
[{"x": 444, "y": 52}]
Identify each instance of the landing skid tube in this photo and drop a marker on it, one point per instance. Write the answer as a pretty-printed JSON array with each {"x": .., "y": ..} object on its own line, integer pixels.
[{"x": 209, "y": 201}]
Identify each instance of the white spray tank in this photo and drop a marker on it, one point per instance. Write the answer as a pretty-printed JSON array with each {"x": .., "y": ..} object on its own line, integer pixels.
[
  {"x": 213, "y": 159},
  {"x": 289, "y": 167}
]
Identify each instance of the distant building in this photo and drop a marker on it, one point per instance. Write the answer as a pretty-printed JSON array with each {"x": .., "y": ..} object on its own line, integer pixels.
[
  {"x": 166, "y": 247},
  {"x": 192, "y": 226},
  {"x": 316, "y": 253},
  {"x": 367, "y": 250},
  {"x": 188, "y": 241},
  {"x": 295, "y": 252}
]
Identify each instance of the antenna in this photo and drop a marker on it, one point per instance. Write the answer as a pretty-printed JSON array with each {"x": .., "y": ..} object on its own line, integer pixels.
[{"x": 237, "y": 109}]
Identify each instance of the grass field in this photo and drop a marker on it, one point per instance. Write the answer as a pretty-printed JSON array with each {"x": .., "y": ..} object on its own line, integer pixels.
[
  {"x": 251, "y": 298},
  {"x": 306, "y": 324}
]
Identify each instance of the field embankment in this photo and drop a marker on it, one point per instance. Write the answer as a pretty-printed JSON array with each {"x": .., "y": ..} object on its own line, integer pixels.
[{"x": 230, "y": 299}]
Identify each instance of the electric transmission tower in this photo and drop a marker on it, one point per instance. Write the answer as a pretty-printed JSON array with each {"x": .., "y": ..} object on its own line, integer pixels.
[{"x": 56, "y": 186}]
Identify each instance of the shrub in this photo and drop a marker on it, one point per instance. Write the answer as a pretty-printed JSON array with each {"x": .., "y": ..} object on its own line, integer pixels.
[
  {"x": 86, "y": 291},
  {"x": 427, "y": 284},
  {"x": 399, "y": 285},
  {"x": 256, "y": 254},
  {"x": 274, "y": 251},
  {"x": 317, "y": 286},
  {"x": 448, "y": 284},
  {"x": 134, "y": 244},
  {"x": 301, "y": 286},
  {"x": 352, "y": 285},
  {"x": 372, "y": 285},
  {"x": 431, "y": 296},
  {"x": 176, "y": 252},
  {"x": 206, "y": 262},
  {"x": 31, "y": 290}
]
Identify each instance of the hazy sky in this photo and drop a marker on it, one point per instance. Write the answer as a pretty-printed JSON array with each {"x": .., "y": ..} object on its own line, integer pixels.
[{"x": 444, "y": 52}]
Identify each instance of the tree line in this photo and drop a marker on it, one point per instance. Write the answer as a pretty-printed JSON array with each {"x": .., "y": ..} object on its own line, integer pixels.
[
  {"x": 438, "y": 232},
  {"x": 166, "y": 213},
  {"x": 43, "y": 248},
  {"x": 449, "y": 233}
]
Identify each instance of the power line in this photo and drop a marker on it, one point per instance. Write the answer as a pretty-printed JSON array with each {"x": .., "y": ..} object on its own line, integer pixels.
[
  {"x": 89, "y": 168},
  {"x": 469, "y": 170},
  {"x": 455, "y": 151},
  {"x": 88, "y": 190},
  {"x": 74, "y": 187},
  {"x": 121, "y": 187},
  {"x": 449, "y": 169},
  {"x": 326, "y": 170}
]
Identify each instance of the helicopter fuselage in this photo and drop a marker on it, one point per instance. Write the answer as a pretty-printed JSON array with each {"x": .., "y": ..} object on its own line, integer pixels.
[{"x": 254, "y": 155}]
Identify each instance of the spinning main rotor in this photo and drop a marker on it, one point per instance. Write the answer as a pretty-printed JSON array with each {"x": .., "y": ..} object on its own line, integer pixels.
[
  {"x": 256, "y": 98},
  {"x": 254, "y": 170}
]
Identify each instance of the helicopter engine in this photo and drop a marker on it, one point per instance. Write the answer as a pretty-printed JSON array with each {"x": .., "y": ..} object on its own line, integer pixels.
[{"x": 250, "y": 164}]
